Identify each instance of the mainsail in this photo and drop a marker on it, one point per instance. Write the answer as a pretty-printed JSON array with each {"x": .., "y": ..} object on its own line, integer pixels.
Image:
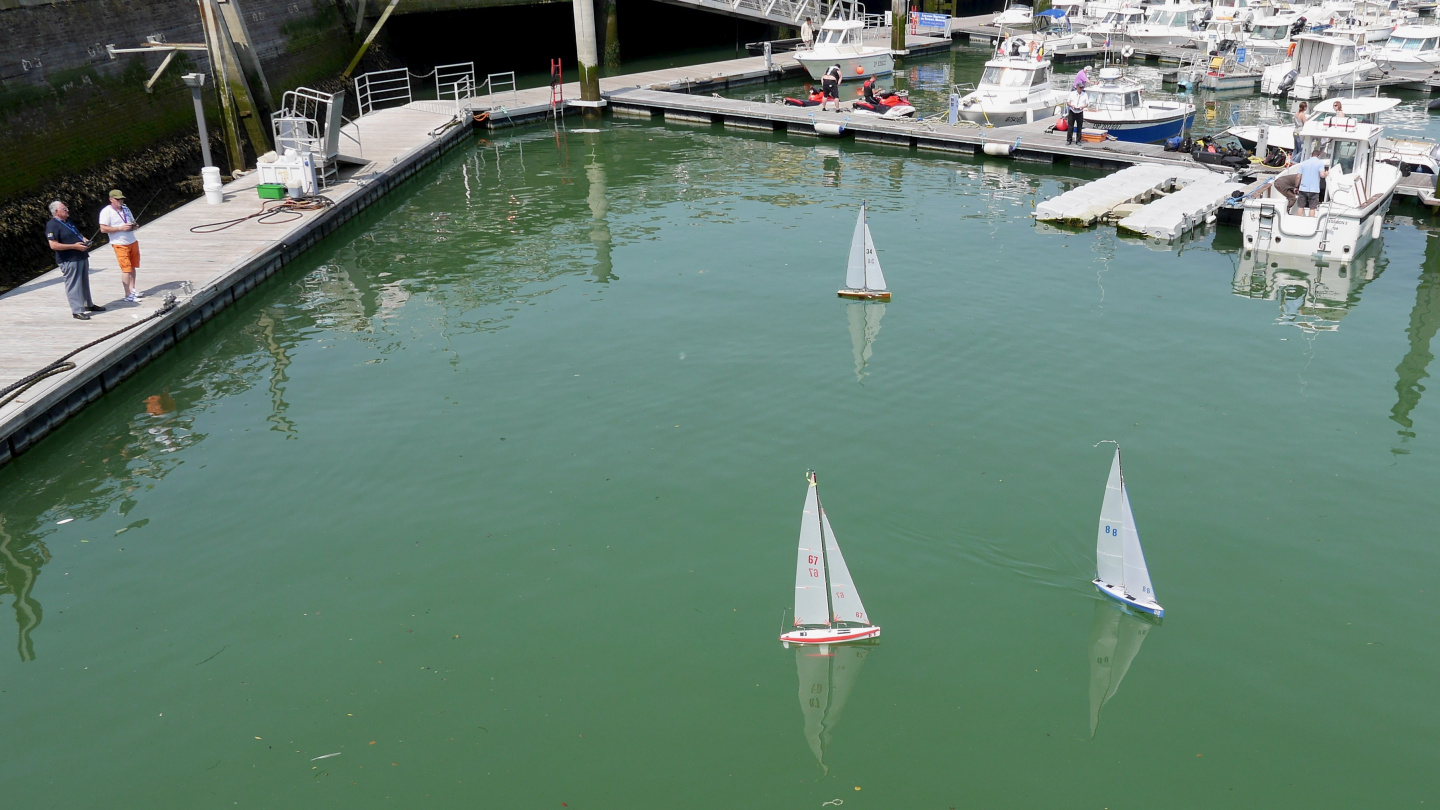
[
  {"x": 1109, "y": 548},
  {"x": 811, "y": 605},
  {"x": 844, "y": 599},
  {"x": 860, "y": 246}
]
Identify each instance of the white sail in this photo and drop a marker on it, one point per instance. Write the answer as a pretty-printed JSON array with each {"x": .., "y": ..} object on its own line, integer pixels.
[
  {"x": 874, "y": 278},
  {"x": 859, "y": 244},
  {"x": 811, "y": 606},
  {"x": 1109, "y": 550},
  {"x": 864, "y": 328},
  {"x": 1115, "y": 639},
  {"x": 844, "y": 598},
  {"x": 1137, "y": 576}
]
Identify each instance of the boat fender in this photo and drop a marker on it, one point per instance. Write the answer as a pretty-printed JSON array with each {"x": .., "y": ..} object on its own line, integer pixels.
[
  {"x": 997, "y": 149},
  {"x": 1290, "y": 51},
  {"x": 1061, "y": 125},
  {"x": 828, "y": 129},
  {"x": 1379, "y": 223}
]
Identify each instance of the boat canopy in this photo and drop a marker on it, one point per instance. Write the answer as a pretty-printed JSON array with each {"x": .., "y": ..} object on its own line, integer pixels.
[
  {"x": 1414, "y": 38},
  {"x": 1315, "y": 53},
  {"x": 1017, "y": 72},
  {"x": 839, "y": 32}
]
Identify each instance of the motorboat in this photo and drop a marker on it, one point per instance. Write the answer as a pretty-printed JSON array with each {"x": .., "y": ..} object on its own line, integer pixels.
[
  {"x": 1112, "y": 27},
  {"x": 839, "y": 42},
  {"x": 1118, "y": 106},
  {"x": 1015, "y": 14},
  {"x": 1358, "y": 191},
  {"x": 1242, "y": 11},
  {"x": 1411, "y": 46},
  {"x": 1406, "y": 154},
  {"x": 1367, "y": 23},
  {"x": 1318, "y": 64},
  {"x": 1051, "y": 33},
  {"x": 1270, "y": 38},
  {"x": 1012, "y": 90},
  {"x": 1169, "y": 25}
]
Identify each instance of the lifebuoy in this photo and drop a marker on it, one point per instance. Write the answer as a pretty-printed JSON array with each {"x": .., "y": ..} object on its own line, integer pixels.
[
  {"x": 1127, "y": 51},
  {"x": 1290, "y": 51}
]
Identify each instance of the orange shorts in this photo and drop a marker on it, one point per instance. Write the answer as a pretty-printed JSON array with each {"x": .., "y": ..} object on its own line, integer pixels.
[{"x": 128, "y": 256}]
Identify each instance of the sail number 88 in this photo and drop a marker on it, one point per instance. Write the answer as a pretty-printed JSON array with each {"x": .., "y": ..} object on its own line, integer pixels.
[{"x": 1111, "y": 531}]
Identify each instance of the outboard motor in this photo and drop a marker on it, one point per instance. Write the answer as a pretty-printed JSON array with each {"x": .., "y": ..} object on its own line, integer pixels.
[
  {"x": 1297, "y": 26},
  {"x": 1288, "y": 82}
]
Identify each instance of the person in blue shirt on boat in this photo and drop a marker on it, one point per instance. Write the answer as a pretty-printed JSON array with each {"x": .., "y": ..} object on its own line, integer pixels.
[{"x": 1312, "y": 171}]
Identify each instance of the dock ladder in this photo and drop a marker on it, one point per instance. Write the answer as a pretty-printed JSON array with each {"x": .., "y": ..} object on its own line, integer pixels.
[{"x": 557, "y": 87}]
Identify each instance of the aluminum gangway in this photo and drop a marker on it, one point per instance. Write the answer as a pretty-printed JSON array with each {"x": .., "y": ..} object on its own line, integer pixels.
[{"x": 775, "y": 12}]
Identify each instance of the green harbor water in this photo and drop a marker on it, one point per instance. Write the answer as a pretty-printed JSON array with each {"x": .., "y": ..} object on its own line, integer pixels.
[{"x": 492, "y": 499}]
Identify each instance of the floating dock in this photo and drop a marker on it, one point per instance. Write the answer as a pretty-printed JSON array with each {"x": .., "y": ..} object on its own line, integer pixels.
[
  {"x": 1088, "y": 204},
  {"x": 1174, "y": 215}
]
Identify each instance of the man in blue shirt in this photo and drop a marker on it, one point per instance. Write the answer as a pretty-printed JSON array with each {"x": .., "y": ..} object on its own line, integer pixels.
[
  {"x": 70, "y": 253},
  {"x": 1312, "y": 171}
]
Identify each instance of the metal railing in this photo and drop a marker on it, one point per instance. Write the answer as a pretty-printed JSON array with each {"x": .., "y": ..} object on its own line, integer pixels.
[
  {"x": 451, "y": 80},
  {"x": 382, "y": 88},
  {"x": 497, "y": 83}
]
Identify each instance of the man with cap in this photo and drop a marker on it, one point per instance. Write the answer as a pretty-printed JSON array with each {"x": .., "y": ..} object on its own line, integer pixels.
[
  {"x": 70, "y": 253},
  {"x": 117, "y": 221}
]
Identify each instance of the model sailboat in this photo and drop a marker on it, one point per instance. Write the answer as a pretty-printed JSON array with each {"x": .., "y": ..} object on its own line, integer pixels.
[
  {"x": 1120, "y": 571},
  {"x": 827, "y": 606},
  {"x": 863, "y": 278}
]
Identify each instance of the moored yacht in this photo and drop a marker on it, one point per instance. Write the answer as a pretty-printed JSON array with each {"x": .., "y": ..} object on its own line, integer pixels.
[
  {"x": 1012, "y": 90},
  {"x": 1118, "y": 106},
  {"x": 1168, "y": 25},
  {"x": 839, "y": 42},
  {"x": 1411, "y": 46},
  {"x": 1318, "y": 64},
  {"x": 1358, "y": 191}
]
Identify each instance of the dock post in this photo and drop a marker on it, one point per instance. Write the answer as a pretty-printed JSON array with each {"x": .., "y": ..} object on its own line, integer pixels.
[
  {"x": 587, "y": 57},
  {"x": 899, "y": 20},
  {"x": 612, "y": 34}
]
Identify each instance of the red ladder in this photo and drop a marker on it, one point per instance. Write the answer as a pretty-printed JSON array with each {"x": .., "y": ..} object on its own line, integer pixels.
[{"x": 557, "y": 85}]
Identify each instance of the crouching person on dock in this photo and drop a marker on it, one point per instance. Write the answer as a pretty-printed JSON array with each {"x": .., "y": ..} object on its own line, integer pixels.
[
  {"x": 117, "y": 221},
  {"x": 70, "y": 254}
]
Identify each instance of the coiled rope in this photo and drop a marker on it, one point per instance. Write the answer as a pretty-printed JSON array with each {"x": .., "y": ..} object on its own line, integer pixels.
[
  {"x": 291, "y": 210},
  {"x": 15, "y": 389}
]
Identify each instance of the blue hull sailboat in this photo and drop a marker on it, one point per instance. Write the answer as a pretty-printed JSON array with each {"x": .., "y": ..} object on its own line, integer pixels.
[{"x": 1120, "y": 571}]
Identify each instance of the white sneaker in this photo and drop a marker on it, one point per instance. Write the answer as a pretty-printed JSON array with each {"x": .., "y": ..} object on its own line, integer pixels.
[
  {"x": 132, "y": 298},
  {"x": 138, "y": 295}
]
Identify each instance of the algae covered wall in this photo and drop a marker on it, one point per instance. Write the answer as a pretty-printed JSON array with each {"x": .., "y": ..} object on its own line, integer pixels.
[{"x": 70, "y": 115}]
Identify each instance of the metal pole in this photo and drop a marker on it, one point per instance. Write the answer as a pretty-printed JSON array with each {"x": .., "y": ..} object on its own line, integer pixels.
[
  {"x": 196, "y": 81},
  {"x": 899, "y": 21},
  {"x": 586, "y": 52}
]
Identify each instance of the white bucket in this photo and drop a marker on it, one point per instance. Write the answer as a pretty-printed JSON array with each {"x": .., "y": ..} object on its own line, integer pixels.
[{"x": 214, "y": 188}]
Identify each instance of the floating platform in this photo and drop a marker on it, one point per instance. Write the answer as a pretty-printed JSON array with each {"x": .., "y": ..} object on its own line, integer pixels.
[
  {"x": 1173, "y": 215},
  {"x": 1088, "y": 204}
]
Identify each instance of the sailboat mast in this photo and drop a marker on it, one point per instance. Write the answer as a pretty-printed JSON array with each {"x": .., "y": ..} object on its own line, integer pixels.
[
  {"x": 824, "y": 561},
  {"x": 865, "y": 218}
]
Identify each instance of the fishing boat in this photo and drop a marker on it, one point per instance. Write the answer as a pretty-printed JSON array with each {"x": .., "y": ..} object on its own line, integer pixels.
[
  {"x": 1013, "y": 89},
  {"x": 1014, "y": 14},
  {"x": 1120, "y": 571},
  {"x": 827, "y": 605},
  {"x": 839, "y": 42},
  {"x": 1118, "y": 106},
  {"x": 1112, "y": 27},
  {"x": 1406, "y": 154},
  {"x": 1412, "y": 46},
  {"x": 863, "y": 277},
  {"x": 1358, "y": 191},
  {"x": 1318, "y": 64},
  {"x": 1052, "y": 33},
  {"x": 1115, "y": 638},
  {"x": 1169, "y": 25},
  {"x": 827, "y": 675}
]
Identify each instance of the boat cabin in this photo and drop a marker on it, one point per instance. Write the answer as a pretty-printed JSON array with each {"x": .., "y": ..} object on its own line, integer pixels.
[
  {"x": 1188, "y": 18},
  {"x": 1348, "y": 147},
  {"x": 1114, "y": 93},
  {"x": 1015, "y": 73},
  {"x": 1053, "y": 21},
  {"x": 1272, "y": 30},
  {"x": 1316, "y": 53},
  {"x": 837, "y": 33},
  {"x": 1413, "y": 39},
  {"x": 1242, "y": 9},
  {"x": 1119, "y": 19}
]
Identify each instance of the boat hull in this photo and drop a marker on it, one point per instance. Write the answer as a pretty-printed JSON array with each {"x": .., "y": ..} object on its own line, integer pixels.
[
  {"x": 1120, "y": 596},
  {"x": 865, "y": 295},
  {"x": 1144, "y": 131},
  {"x": 830, "y": 635},
  {"x": 1007, "y": 117},
  {"x": 873, "y": 62}
]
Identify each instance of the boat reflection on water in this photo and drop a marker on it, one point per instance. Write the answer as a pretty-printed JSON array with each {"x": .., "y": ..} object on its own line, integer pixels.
[
  {"x": 1313, "y": 295},
  {"x": 1115, "y": 638},
  {"x": 864, "y": 328},
  {"x": 827, "y": 675}
]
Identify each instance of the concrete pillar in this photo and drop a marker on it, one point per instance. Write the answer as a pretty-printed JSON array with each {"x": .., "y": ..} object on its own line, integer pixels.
[
  {"x": 899, "y": 22},
  {"x": 587, "y": 56},
  {"x": 612, "y": 35}
]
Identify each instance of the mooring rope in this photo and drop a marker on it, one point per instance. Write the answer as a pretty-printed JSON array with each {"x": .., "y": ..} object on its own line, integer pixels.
[
  {"x": 15, "y": 389},
  {"x": 295, "y": 208}
]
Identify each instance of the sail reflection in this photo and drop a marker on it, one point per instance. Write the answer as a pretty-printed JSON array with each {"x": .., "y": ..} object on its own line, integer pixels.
[
  {"x": 827, "y": 675},
  {"x": 864, "y": 328},
  {"x": 1115, "y": 638},
  {"x": 1312, "y": 295},
  {"x": 1424, "y": 321}
]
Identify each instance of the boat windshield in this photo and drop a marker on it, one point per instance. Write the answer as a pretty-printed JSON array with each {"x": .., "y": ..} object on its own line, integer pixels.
[
  {"x": 1412, "y": 43},
  {"x": 1012, "y": 76},
  {"x": 834, "y": 37},
  {"x": 1270, "y": 32},
  {"x": 1123, "y": 100}
]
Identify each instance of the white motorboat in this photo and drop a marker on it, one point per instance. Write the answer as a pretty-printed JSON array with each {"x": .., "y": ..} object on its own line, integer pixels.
[
  {"x": 1358, "y": 191},
  {"x": 1366, "y": 23},
  {"x": 1411, "y": 46},
  {"x": 827, "y": 605},
  {"x": 1168, "y": 25},
  {"x": 1112, "y": 27},
  {"x": 1118, "y": 106},
  {"x": 1242, "y": 11},
  {"x": 839, "y": 42},
  {"x": 1053, "y": 33},
  {"x": 1012, "y": 90},
  {"x": 1015, "y": 14},
  {"x": 1270, "y": 37},
  {"x": 1318, "y": 64},
  {"x": 1406, "y": 154}
]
